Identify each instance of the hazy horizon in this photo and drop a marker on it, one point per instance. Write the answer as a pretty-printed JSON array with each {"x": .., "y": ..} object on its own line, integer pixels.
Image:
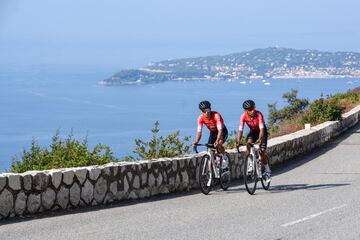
[{"x": 134, "y": 33}]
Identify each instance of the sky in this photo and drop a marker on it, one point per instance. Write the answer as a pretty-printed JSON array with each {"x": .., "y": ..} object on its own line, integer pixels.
[{"x": 133, "y": 33}]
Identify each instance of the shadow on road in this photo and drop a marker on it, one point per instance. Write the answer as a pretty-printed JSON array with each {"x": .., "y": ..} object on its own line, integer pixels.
[{"x": 293, "y": 187}]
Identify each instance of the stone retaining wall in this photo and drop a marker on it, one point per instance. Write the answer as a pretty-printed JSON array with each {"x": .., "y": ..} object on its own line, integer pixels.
[{"x": 38, "y": 191}]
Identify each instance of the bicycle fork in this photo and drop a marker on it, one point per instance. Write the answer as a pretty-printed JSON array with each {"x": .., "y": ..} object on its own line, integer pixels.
[
  {"x": 206, "y": 166},
  {"x": 256, "y": 161}
]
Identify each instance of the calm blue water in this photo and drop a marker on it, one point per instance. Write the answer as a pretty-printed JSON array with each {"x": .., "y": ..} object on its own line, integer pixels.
[{"x": 36, "y": 101}]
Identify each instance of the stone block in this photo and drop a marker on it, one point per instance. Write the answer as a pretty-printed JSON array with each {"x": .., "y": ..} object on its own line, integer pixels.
[
  {"x": 48, "y": 198},
  {"x": 193, "y": 161},
  {"x": 14, "y": 181},
  {"x": 185, "y": 178},
  {"x": 151, "y": 181},
  {"x": 109, "y": 198},
  {"x": 81, "y": 175},
  {"x": 114, "y": 187},
  {"x": 136, "y": 182},
  {"x": 40, "y": 180},
  {"x": 106, "y": 171},
  {"x": 33, "y": 203},
  {"x": 164, "y": 190},
  {"x": 20, "y": 203},
  {"x": 182, "y": 163},
  {"x": 56, "y": 178},
  {"x": 129, "y": 175},
  {"x": 62, "y": 197},
  {"x": 68, "y": 177},
  {"x": 144, "y": 177},
  {"x": 75, "y": 194},
  {"x": 27, "y": 181},
  {"x": 115, "y": 170},
  {"x": 132, "y": 195},
  {"x": 144, "y": 193},
  {"x": 174, "y": 165},
  {"x": 126, "y": 185},
  {"x": 100, "y": 189},
  {"x": 87, "y": 192},
  {"x": 94, "y": 173},
  {"x": 3, "y": 182},
  {"x": 7, "y": 203}
]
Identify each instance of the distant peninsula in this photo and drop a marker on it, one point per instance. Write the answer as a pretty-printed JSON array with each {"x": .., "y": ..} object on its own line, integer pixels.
[{"x": 267, "y": 63}]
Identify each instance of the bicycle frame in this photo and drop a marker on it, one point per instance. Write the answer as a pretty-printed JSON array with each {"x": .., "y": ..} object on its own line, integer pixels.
[
  {"x": 256, "y": 160},
  {"x": 211, "y": 153}
]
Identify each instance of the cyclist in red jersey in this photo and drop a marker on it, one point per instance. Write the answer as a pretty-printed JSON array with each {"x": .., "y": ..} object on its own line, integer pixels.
[
  {"x": 258, "y": 132},
  {"x": 215, "y": 123}
]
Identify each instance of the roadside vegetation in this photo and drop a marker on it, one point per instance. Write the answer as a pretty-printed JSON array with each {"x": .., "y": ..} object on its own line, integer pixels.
[
  {"x": 160, "y": 146},
  {"x": 297, "y": 112},
  {"x": 70, "y": 152},
  {"x": 62, "y": 153}
]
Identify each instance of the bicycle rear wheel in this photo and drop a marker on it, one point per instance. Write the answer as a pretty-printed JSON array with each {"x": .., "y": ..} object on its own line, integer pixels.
[
  {"x": 204, "y": 175},
  {"x": 250, "y": 175},
  {"x": 225, "y": 176}
]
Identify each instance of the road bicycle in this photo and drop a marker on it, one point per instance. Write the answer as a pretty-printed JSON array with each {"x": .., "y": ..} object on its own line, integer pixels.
[
  {"x": 253, "y": 170},
  {"x": 217, "y": 174}
]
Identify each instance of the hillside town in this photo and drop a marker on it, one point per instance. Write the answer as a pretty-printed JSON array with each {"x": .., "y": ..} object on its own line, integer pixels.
[{"x": 268, "y": 63}]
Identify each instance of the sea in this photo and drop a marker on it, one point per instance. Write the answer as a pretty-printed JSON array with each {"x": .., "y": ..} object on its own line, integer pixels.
[{"x": 38, "y": 100}]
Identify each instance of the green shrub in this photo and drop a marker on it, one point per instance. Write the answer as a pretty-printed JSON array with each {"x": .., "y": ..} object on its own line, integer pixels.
[
  {"x": 159, "y": 146},
  {"x": 294, "y": 107},
  {"x": 62, "y": 153},
  {"x": 323, "y": 110},
  {"x": 231, "y": 141},
  {"x": 352, "y": 96}
]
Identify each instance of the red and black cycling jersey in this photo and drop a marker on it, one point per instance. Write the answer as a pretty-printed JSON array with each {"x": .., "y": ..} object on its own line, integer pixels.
[
  {"x": 255, "y": 123},
  {"x": 215, "y": 123}
]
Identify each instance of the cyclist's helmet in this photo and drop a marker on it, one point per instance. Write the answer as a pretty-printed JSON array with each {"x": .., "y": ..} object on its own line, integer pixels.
[
  {"x": 204, "y": 105},
  {"x": 248, "y": 104}
]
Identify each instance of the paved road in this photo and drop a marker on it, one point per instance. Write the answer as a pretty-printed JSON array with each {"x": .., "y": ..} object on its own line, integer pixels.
[{"x": 316, "y": 197}]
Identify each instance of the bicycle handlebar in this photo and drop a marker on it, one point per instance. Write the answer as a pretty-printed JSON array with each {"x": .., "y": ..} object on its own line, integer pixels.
[
  {"x": 205, "y": 145},
  {"x": 250, "y": 144}
]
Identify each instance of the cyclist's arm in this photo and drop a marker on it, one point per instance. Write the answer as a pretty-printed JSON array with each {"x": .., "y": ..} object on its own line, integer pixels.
[
  {"x": 261, "y": 126},
  {"x": 239, "y": 136},
  {"x": 219, "y": 126},
  {"x": 199, "y": 130},
  {"x": 261, "y": 135},
  {"x": 241, "y": 128},
  {"x": 197, "y": 138},
  {"x": 219, "y": 137}
]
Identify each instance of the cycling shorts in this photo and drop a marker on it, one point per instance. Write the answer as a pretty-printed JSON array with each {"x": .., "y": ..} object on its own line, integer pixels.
[
  {"x": 213, "y": 135},
  {"x": 254, "y": 135}
]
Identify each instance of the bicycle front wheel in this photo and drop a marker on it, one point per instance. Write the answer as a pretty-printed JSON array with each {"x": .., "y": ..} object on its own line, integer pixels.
[
  {"x": 204, "y": 175},
  {"x": 265, "y": 185},
  {"x": 250, "y": 175},
  {"x": 225, "y": 177}
]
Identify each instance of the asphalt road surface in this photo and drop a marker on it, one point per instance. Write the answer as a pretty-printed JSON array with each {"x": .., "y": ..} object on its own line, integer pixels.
[{"x": 313, "y": 197}]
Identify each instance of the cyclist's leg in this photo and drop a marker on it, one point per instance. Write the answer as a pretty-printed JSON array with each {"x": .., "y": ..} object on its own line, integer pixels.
[
  {"x": 250, "y": 138},
  {"x": 212, "y": 140},
  {"x": 262, "y": 148},
  {"x": 263, "y": 156},
  {"x": 224, "y": 137}
]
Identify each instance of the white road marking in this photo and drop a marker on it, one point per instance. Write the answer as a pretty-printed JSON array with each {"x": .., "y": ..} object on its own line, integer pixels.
[{"x": 312, "y": 216}]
